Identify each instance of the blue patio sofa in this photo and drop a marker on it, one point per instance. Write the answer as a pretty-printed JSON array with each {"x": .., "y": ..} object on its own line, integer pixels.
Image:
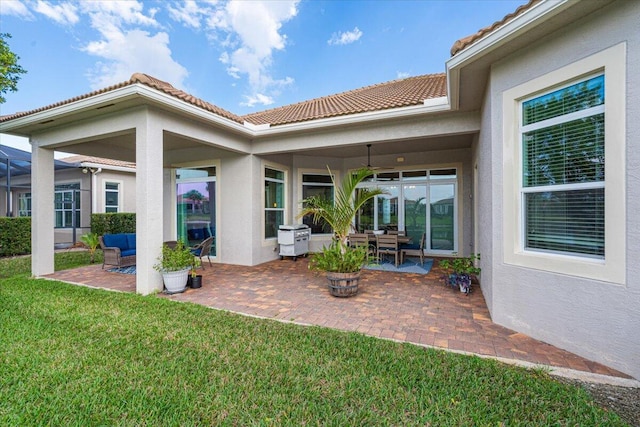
[{"x": 118, "y": 249}]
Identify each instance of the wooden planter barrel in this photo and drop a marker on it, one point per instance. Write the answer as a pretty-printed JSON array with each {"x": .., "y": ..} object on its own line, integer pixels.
[{"x": 343, "y": 284}]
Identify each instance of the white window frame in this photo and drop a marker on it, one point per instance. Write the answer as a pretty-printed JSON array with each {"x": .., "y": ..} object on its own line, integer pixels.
[
  {"x": 458, "y": 205},
  {"x": 324, "y": 172},
  {"x": 284, "y": 210},
  {"x": 611, "y": 62},
  {"x": 544, "y": 124},
  {"x": 24, "y": 199},
  {"x": 77, "y": 199},
  {"x": 104, "y": 194}
]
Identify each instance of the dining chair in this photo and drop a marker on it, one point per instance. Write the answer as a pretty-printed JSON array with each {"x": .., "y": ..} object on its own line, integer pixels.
[
  {"x": 387, "y": 244},
  {"x": 414, "y": 250},
  {"x": 360, "y": 239}
]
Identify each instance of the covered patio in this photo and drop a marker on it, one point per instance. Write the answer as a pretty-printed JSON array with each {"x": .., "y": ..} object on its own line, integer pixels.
[{"x": 405, "y": 307}]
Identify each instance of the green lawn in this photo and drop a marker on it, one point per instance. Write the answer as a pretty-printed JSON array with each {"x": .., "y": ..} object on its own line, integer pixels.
[{"x": 76, "y": 356}]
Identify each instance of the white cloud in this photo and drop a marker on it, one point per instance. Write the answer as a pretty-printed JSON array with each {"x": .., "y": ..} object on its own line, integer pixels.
[
  {"x": 110, "y": 17},
  {"x": 16, "y": 8},
  {"x": 257, "y": 99},
  {"x": 134, "y": 51},
  {"x": 189, "y": 13},
  {"x": 402, "y": 74},
  {"x": 251, "y": 32},
  {"x": 63, "y": 13},
  {"x": 347, "y": 37},
  {"x": 125, "y": 48}
]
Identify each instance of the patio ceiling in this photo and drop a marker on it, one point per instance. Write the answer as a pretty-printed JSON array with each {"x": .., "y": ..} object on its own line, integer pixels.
[{"x": 418, "y": 145}]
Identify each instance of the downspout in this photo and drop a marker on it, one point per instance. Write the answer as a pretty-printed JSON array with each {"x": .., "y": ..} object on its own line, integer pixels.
[
  {"x": 94, "y": 184},
  {"x": 9, "y": 211}
]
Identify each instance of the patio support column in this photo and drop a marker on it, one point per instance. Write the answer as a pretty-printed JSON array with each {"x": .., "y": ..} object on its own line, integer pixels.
[
  {"x": 149, "y": 203},
  {"x": 169, "y": 191},
  {"x": 42, "y": 211}
]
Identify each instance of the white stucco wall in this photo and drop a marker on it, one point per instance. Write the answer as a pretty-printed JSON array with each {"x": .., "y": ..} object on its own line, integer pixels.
[
  {"x": 127, "y": 189},
  {"x": 596, "y": 319}
]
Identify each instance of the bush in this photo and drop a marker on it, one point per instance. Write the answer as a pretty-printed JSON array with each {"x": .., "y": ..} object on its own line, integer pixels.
[
  {"x": 113, "y": 223},
  {"x": 176, "y": 259},
  {"x": 15, "y": 236}
]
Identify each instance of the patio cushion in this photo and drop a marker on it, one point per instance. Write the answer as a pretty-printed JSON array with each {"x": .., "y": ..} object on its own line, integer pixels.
[
  {"x": 131, "y": 240},
  {"x": 115, "y": 240},
  {"x": 410, "y": 246},
  {"x": 128, "y": 252},
  {"x": 196, "y": 252}
]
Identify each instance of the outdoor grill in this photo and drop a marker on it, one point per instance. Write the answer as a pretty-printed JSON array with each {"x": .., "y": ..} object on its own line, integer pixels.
[{"x": 294, "y": 240}]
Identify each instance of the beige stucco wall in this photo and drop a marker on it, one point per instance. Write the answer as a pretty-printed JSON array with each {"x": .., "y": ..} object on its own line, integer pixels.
[{"x": 596, "y": 319}]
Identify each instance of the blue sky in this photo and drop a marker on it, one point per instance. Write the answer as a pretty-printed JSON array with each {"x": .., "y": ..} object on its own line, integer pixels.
[{"x": 243, "y": 56}]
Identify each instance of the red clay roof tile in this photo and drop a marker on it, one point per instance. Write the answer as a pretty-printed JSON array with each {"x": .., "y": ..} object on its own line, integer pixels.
[
  {"x": 465, "y": 42},
  {"x": 98, "y": 160},
  {"x": 383, "y": 96}
]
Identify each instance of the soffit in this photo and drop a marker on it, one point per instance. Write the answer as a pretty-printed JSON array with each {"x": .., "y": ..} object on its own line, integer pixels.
[{"x": 474, "y": 73}]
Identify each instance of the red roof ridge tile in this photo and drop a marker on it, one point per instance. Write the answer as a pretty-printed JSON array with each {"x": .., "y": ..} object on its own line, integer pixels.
[{"x": 465, "y": 42}]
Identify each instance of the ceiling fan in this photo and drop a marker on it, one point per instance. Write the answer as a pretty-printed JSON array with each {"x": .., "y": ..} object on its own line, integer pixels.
[{"x": 369, "y": 159}]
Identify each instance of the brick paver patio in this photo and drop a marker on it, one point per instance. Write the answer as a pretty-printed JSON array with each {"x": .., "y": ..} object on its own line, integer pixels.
[{"x": 405, "y": 307}]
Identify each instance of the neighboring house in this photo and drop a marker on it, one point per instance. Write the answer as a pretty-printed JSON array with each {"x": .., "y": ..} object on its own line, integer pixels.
[
  {"x": 83, "y": 185},
  {"x": 534, "y": 118}
]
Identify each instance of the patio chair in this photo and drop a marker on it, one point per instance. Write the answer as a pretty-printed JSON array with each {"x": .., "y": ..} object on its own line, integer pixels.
[
  {"x": 361, "y": 239},
  {"x": 203, "y": 249},
  {"x": 388, "y": 244},
  {"x": 414, "y": 250}
]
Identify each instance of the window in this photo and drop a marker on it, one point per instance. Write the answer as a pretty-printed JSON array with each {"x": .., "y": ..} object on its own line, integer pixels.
[
  {"x": 273, "y": 202},
  {"x": 557, "y": 131},
  {"x": 67, "y": 205},
  {"x": 563, "y": 163},
  {"x": 418, "y": 202},
  {"x": 24, "y": 204},
  {"x": 320, "y": 186},
  {"x": 111, "y": 197}
]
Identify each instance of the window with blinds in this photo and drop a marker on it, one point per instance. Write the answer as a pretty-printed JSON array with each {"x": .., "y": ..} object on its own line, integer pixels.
[{"x": 562, "y": 134}]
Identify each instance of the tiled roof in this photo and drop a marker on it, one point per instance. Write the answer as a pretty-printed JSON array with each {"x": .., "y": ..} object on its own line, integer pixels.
[
  {"x": 177, "y": 93},
  {"x": 383, "y": 96},
  {"x": 147, "y": 81},
  {"x": 469, "y": 40},
  {"x": 98, "y": 160}
]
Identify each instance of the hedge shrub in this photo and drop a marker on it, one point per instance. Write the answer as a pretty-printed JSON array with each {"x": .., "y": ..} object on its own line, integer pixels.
[
  {"x": 113, "y": 223},
  {"x": 15, "y": 236}
]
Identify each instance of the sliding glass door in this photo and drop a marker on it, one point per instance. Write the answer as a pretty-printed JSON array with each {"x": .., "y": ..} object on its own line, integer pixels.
[
  {"x": 441, "y": 217},
  {"x": 196, "y": 205},
  {"x": 418, "y": 202}
]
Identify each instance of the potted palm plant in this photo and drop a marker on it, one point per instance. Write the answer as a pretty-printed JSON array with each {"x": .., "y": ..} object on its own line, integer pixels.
[
  {"x": 341, "y": 262},
  {"x": 175, "y": 265}
]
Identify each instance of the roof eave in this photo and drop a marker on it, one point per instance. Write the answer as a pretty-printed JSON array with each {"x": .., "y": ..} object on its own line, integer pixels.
[
  {"x": 14, "y": 126},
  {"x": 107, "y": 167},
  {"x": 496, "y": 39},
  {"x": 432, "y": 105}
]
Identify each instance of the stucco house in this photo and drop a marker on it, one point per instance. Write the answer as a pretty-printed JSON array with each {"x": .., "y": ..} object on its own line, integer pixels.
[
  {"x": 82, "y": 185},
  {"x": 530, "y": 135}
]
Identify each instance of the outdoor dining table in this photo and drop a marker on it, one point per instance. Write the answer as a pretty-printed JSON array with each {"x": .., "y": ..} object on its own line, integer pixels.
[{"x": 401, "y": 239}]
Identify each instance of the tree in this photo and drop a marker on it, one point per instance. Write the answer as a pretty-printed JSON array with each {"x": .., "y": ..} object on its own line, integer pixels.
[
  {"x": 9, "y": 69},
  {"x": 340, "y": 214}
]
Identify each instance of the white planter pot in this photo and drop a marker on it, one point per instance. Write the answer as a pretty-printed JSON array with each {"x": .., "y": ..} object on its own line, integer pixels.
[{"x": 175, "y": 281}]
